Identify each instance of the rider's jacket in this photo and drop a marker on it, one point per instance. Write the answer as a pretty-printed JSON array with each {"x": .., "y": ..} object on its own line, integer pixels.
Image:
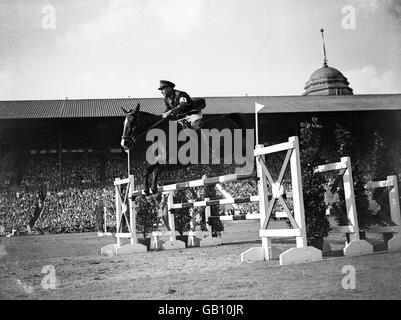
[{"x": 181, "y": 103}]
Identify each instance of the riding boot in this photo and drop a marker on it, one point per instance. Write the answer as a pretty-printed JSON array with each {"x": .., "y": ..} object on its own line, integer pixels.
[{"x": 184, "y": 123}]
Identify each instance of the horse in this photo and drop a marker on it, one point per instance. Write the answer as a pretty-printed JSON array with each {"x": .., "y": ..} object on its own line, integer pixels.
[{"x": 137, "y": 123}]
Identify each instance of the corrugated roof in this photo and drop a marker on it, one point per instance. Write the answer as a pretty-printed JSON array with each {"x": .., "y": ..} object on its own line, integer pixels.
[{"x": 89, "y": 108}]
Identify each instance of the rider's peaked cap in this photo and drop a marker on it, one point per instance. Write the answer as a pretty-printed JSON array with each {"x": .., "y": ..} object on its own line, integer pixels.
[{"x": 165, "y": 83}]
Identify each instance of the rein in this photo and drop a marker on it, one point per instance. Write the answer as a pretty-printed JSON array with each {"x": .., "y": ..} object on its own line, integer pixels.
[
  {"x": 146, "y": 131},
  {"x": 150, "y": 128}
]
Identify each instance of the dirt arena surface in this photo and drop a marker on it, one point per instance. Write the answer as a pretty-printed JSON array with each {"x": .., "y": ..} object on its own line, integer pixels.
[{"x": 195, "y": 273}]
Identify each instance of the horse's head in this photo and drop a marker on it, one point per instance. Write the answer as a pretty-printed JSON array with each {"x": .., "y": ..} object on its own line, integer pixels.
[{"x": 130, "y": 130}]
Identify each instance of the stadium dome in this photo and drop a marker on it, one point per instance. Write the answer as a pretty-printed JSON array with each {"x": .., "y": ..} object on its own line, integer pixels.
[{"x": 327, "y": 81}]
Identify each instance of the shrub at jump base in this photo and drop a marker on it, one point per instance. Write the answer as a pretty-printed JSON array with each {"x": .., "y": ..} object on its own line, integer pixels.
[
  {"x": 216, "y": 225},
  {"x": 317, "y": 225},
  {"x": 146, "y": 216},
  {"x": 380, "y": 167},
  {"x": 182, "y": 218}
]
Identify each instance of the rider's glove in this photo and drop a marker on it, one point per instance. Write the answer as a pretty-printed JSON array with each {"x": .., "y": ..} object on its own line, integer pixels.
[
  {"x": 175, "y": 110},
  {"x": 166, "y": 114}
]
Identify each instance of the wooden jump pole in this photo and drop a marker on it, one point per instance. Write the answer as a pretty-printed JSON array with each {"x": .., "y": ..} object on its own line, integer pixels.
[
  {"x": 117, "y": 198},
  {"x": 200, "y": 183}
]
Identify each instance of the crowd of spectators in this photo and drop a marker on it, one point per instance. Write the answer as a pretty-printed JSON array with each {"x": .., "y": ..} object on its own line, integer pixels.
[
  {"x": 71, "y": 205},
  {"x": 7, "y": 174},
  {"x": 67, "y": 210},
  {"x": 116, "y": 166},
  {"x": 77, "y": 168}
]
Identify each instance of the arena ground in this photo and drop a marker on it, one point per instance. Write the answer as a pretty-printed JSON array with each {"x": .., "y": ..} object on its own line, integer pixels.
[{"x": 196, "y": 273}]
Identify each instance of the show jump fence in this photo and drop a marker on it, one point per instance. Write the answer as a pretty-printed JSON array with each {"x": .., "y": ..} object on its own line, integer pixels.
[
  {"x": 356, "y": 246},
  {"x": 125, "y": 206}
]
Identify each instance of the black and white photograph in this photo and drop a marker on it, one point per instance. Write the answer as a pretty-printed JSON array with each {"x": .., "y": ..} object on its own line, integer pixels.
[{"x": 210, "y": 151}]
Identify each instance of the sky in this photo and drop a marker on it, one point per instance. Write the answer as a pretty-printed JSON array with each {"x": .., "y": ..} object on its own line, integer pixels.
[{"x": 53, "y": 49}]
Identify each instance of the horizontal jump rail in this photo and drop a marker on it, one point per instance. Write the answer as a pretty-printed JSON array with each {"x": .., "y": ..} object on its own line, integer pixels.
[
  {"x": 207, "y": 203},
  {"x": 274, "y": 148},
  {"x": 252, "y": 216},
  {"x": 331, "y": 167},
  {"x": 119, "y": 181},
  {"x": 379, "y": 184},
  {"x": 206, "y": 181},
  {"x": 201, "y": 182}
]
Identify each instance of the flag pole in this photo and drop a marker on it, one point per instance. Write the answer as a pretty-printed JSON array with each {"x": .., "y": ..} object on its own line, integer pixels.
[
  {"x": 257, "y": 127},
  {"x": 258, "y": 107},
  {"x": 129, "y": 162}
]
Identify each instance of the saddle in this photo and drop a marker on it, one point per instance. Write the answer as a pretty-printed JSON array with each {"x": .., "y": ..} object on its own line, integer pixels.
[{"x": 197, "y": 105}]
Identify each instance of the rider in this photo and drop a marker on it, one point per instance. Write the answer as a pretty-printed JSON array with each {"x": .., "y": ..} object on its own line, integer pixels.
[{"x": 179, "y": 106}]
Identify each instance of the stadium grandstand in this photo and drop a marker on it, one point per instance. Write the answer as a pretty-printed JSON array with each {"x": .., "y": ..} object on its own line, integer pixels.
[{"x": 70, "y": 150}]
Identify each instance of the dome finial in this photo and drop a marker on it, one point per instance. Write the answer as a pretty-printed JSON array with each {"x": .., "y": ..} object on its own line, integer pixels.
[{"x": 324, "y": 49}]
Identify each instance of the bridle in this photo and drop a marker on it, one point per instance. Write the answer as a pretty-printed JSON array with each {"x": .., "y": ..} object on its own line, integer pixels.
[{"x": 134, "y": 139}]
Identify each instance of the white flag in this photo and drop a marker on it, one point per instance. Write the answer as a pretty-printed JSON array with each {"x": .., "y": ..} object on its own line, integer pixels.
[{"x": 258, "y": 107}]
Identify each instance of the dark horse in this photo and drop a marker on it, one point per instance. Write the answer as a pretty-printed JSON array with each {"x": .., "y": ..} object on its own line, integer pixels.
[{"x": 138, "y": 123}]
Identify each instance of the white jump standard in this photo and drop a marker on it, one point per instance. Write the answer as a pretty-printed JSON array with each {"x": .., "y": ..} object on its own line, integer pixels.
[
  {"x": 124, "y": 204},
  {"x": 356, "y": 246},
  {"x": 393, "y": 244},
  {"x": 302, "y": 253}
]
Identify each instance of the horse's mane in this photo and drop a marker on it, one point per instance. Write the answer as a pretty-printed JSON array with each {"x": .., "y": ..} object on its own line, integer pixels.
[{"x": 146, "y": 119}]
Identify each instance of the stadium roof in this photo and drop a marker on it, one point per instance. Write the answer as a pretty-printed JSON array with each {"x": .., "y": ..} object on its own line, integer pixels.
[{"x": 90, "y": 108}]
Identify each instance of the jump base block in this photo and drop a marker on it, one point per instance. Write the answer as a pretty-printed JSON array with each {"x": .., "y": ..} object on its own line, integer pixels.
[
  {"x": 172, "y": 245},
  {"x": 109, "y": 250},
  {"x": 210, "y": 241},
  {"x": 156, "y": 244},
  {"x": 131, "y": 249},
  {"x": 300, "y": 255},
  {"x": 357, "y": 248},
  {"x": 253, "y": 255},
  {"x": 394, "y": 244}
]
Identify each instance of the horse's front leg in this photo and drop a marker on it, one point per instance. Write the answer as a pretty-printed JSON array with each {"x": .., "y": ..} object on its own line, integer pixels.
[{"x": 148, "y": 170}]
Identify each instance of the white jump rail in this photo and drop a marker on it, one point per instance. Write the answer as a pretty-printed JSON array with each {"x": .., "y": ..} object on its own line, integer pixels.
[{"x": 202, "y": 238}]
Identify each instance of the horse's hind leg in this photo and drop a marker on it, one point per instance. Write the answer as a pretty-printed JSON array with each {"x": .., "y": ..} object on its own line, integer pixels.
[
  {"x": 156, "y": 172},
  {"x": 163, "y": 212}
]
